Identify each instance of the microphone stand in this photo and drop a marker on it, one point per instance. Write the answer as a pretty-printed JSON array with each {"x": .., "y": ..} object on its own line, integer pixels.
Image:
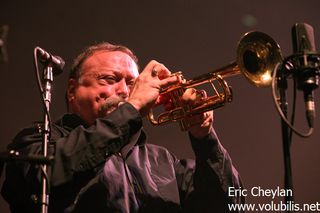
[
  {"x": 303, "y": 66},
  {"x": 53, "y": 65},
  {"x": 48, "y": 79},
  {"x": 288, "y": 183}
]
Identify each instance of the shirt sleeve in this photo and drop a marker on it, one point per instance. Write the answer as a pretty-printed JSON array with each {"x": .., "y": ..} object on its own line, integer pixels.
[
  {"x": 78, "y": 153},
  {"x": 204, "y": 183},
  {"x": 87, "y": 148}
]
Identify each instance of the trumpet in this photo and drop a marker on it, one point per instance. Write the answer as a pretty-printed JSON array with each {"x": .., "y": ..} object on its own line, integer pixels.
[{"x": 257, "y": 56}]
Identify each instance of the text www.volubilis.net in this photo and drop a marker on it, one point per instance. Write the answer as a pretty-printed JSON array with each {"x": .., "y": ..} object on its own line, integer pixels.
[{"x": 276, "y": 207}]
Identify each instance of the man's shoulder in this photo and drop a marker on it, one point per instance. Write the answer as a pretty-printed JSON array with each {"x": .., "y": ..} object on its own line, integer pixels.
[
  {"x": 27, "y": 135},
  {"x": 158, "y": 151},
  {"x": 155, "y": 147},
  {"x": 33, "y": 133}
]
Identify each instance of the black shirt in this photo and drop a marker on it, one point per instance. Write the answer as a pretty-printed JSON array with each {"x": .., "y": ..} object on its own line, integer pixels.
[{"x": 109, "y": 167}]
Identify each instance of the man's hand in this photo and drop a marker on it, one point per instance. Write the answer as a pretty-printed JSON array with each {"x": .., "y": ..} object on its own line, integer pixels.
[
  {"x": 145, "y": 91},
  {"x": 200, "y": 125}
]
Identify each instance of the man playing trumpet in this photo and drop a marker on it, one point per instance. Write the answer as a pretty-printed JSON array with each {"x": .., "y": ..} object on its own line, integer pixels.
[{"x": 103, "y": 162}]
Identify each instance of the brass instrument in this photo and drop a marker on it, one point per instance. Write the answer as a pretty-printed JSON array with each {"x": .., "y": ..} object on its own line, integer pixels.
[{"x": 257, "y": 56}]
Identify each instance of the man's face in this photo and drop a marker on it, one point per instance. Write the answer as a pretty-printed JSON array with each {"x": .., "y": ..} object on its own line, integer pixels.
[{"x": 106, "y": 77}]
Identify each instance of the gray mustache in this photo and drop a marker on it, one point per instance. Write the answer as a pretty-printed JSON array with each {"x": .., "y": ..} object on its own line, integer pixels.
[{"x": 111, "y": 104}]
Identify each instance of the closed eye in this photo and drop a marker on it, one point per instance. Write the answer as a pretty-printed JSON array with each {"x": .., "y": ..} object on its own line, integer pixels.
[
  {"x": 106, "y": 79},
  {"x": 130, "y": 83}
]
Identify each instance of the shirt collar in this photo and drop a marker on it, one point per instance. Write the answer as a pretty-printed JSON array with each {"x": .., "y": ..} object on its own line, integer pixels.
[{"x": 71, "y": 121}]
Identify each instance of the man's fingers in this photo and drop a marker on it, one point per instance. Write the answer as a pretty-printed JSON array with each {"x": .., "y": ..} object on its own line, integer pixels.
[
  {"x": 166, "y": 82},
  {"x": 193, "y": 96},
  {"x": 189, "y": 95},
  {"x": 156, "y": 70}
]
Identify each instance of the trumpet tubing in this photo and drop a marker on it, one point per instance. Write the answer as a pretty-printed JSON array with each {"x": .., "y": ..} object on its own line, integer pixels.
[{"x": 257, "y": 56}]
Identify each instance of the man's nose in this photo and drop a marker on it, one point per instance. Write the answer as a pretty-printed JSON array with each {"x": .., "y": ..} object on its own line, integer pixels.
[{"x": 122, "y": 89}]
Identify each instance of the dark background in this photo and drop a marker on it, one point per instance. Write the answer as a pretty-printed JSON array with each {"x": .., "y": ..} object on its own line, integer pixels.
[{"x": 189, "y": 35}]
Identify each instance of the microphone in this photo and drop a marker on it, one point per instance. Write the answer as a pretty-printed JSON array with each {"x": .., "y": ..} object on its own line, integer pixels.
[
  {"x": 55, "y": 61},
  {"x": 307, "y": 70},
  {"x": 3, "y": 47}
]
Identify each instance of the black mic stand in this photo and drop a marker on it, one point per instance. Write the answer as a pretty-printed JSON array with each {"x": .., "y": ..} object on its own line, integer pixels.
[
  {"x": 303, "y": 66},
  {"x": 288, "y": 183},
  {"x": 48, "y": 79}
]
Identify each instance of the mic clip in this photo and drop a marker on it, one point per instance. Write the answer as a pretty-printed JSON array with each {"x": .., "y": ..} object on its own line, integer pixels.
[{"x": 47, "y": 59}]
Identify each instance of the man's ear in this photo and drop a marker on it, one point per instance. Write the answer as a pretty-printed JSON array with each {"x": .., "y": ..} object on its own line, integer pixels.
[{"x": 71, "y": 89}]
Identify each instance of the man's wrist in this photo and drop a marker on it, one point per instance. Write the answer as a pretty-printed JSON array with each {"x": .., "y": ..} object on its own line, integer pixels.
[
  {"x": 205, "y": 147},
  {"x": 135, "y": 104},
  {"x": 199, "y": 134}
]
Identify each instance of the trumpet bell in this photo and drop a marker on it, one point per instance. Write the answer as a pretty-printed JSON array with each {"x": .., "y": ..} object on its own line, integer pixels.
[{"x": 257, "y": 56}]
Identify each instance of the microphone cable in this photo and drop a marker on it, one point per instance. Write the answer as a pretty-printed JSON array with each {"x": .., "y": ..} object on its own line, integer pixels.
[{"x": 279, "y": 110}]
